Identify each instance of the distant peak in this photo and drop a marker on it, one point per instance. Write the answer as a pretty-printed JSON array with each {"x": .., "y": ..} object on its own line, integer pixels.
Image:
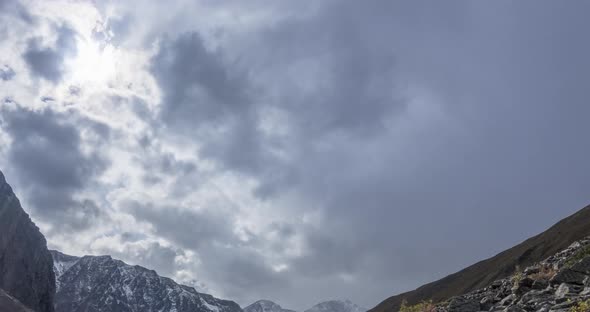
[
  {"x": 336, "y": 306},
  {"x": 265, "y": 306}
]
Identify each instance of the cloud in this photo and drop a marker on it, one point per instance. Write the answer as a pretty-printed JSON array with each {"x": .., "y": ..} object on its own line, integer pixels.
[
  {"x": 46, "y": 152},
  {"x": 207, "y": 99},
  {"x": 190, "y": 229},
  {"x": 15, "y": 8},
  {"x": 305, "y": 151},
  {"x": 48, "y": 62},
  {"x": 199, "y": 88},
  {"x": 7, "y": 73}
]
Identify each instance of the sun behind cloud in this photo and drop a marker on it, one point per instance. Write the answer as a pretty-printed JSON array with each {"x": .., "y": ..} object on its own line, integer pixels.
[{"x": 94, "y": 63}]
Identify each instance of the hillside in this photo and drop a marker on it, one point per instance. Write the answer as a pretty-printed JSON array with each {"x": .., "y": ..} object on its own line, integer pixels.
[{"x": 481, "y": 274}]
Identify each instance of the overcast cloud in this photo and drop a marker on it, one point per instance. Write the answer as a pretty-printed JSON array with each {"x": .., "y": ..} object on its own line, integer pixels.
[{"x": 297, "y": 151}]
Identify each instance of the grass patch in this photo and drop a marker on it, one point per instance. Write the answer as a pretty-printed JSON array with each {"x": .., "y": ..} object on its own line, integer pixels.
[
  {"x": 582, "y": 306},
  {"x": 424, "y": 306},
  {"x": 579, "y": 255}
]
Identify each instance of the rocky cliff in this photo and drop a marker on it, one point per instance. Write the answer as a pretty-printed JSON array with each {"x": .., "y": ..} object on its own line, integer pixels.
[
  {"x": 10, "y": 304},
  {"x": 26, "y": 267},
  {"x": 101, "y": 283}
]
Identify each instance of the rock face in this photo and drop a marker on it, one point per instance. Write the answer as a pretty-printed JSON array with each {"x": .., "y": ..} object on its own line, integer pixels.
[
  {"x": 101, "y": 283},
  {"x": 265, "y": 306},
  {"x": 11, "y": 304},
  {"x": 336, "y": 306},
  {"x": 25, "y": 263},
  {"x": 558, "y": 283},
  {"x": 481, "y": 274},
  {"x": 61, "y": 263}
]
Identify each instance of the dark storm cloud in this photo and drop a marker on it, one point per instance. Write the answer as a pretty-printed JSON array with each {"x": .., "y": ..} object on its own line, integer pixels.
[
  {"x": 47, "y": 62},
  {"x": 46, "y": 152},
  {"x": 190, "y": 229},
  {"x": 512, "y": 83},
  {"x": 199, "y": 88},
  {"x": 208, "y": 98},
  {"x": 349, "y": 65},
  {"x": 506, "y": 143}
]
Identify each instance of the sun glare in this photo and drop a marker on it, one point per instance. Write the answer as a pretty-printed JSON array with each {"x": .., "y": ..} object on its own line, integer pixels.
[{"x": 93, "y": 64}]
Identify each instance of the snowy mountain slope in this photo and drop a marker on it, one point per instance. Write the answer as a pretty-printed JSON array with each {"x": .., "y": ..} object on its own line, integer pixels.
[
  {"x": 265, "y": 306},
  {"x": 101, "y": 283},
  {"x": 336, "y": 306},
  {"x": 61, "y": 263}
]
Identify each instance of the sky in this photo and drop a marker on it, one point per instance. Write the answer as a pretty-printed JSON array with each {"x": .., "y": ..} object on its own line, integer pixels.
[{"x": 296, "y": 151}]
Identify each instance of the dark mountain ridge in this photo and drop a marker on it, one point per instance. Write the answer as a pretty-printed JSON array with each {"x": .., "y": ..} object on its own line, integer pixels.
[
  {"x": 26, "y": 266},
  {"x": 483, "y": 273}
]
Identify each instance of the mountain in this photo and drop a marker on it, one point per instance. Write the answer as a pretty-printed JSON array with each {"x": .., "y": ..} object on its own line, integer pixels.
[
  {"x": 326, "y": 306},
  {"x": 61, "y": 263},
  {"x": 265, "y": 306},
  {"x": 101, "y": 283},
  {"x": 336, "y": 306},
  {"x": 11, "y": 304},
  {"x": 482, "y": 274},
  {"x": 25, "y": 263}
]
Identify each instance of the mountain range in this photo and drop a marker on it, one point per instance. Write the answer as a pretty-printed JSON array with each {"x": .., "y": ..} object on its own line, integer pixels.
[
  {"x": 326, "y": 306},
  {"x": 32, "y": 278}
]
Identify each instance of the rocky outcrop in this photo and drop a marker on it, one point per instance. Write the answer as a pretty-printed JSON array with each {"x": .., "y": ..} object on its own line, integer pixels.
[
  {"x": 558, "y": 283},
  {"x": 483, "y": 273},
  {"x": 11, "y": 304},
  {"x": 336, "y": 306},
  {"x": 26, "y": 267},
  {"x": 101, "y": 283},
  {"x": 265, "y": 306}
]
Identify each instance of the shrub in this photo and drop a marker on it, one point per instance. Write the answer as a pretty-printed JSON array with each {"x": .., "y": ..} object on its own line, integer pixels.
[
  {"x": 582, "y": 306},
  {"x": 546, "y": 272},
  {"x": 517, "y": 276},
  {"x": 424, "y": 306}
]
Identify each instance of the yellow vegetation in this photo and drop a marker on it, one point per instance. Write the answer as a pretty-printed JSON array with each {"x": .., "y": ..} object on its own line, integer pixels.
[
  {"x": 424, "y": 306},
  {"x": 583, "y": 306}
]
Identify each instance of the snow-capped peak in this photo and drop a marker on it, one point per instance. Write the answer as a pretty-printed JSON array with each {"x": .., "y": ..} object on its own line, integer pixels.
[
  {"x": 336, "y": 306},
  {"x": 265, "y": 306},
  {"x": 111, "y": 285}
]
